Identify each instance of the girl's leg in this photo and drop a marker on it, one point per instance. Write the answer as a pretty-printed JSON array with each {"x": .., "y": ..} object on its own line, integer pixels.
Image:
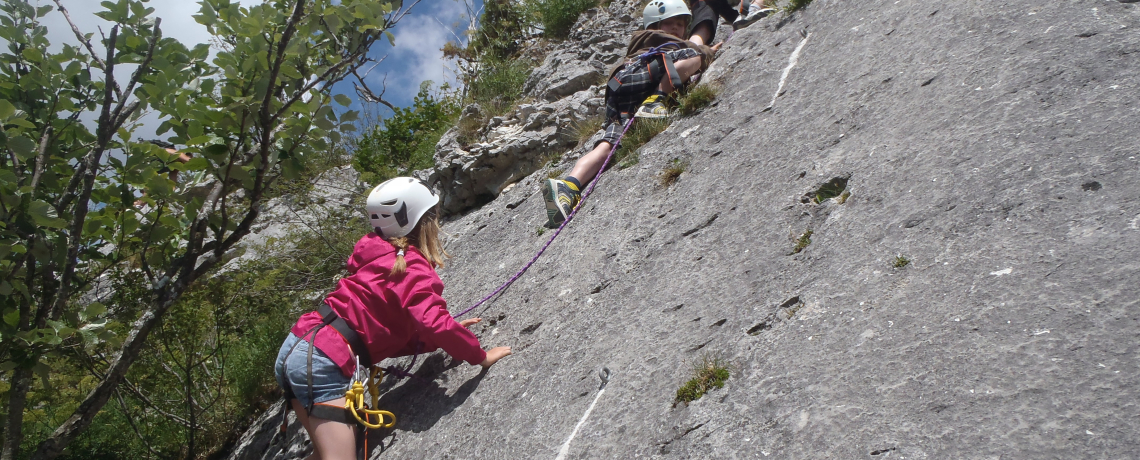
[{"x": 331, "y": 440}]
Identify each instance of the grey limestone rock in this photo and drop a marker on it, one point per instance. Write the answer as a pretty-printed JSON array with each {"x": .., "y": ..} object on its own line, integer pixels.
[
  {"x": 992, "y": 144},
  {"x": 598, "y": 41},
  {"x": 517, "y": 145}
]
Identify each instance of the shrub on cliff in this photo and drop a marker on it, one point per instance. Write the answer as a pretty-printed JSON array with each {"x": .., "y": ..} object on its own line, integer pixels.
[{"x": 406, "y": 140}]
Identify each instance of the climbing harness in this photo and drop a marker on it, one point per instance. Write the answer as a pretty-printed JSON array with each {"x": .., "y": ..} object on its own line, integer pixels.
[
  {"x": 657, "y": 59},
  {"x": 354, "y": 402},
  {"x": 354, "y": 396},
  {"x": 534, "y": 259}
]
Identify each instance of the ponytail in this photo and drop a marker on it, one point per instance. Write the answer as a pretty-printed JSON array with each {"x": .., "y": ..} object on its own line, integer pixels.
[
  {"x": 400, "y": 266},
  {"x": 425, "y": 238}
]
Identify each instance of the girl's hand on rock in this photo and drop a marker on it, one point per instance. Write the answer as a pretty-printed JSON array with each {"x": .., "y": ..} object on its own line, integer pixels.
[
  {"x": 716, "y": 47},
  {"x": 467, "y": 323},
  {"x": 494, "y": 355}
]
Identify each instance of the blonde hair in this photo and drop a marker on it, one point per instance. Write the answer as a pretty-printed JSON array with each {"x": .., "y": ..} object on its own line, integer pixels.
[{"x": 425, "y": 238}]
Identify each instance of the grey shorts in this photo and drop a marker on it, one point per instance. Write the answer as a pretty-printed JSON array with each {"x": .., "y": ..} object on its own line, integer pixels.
[{"x": 292, "y": 369}]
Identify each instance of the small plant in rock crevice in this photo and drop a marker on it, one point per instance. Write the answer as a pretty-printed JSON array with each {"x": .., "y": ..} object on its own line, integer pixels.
[
  {"x": 794, "y": 5},
  {"x": 834, "y": 188},
  {"x": 672, "y": 172},
  {"x": 900, "y": 261},
  {"x": 539, "y": 231},
  {"x": 843, "y": 197},
  {"x": 802, "y": 242},
  {"x": 642, "y": 131},
  {"x": 697, "y": 98},
  {"x": 708, "y": 374},
  {"x": 585, "y": 128}
]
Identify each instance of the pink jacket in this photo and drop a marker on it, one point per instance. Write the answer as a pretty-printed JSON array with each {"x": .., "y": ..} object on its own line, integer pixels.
[{"x": 391, "y": 316}]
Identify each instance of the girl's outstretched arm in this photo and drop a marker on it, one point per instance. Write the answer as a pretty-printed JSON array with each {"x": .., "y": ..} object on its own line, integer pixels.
[{"x": 494, "y": 355}]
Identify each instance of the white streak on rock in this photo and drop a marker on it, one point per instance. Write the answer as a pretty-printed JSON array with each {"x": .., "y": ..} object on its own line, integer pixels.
[{"x": 792, "y": 60}]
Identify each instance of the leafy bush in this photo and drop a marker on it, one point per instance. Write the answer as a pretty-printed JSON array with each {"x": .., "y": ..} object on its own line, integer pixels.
[
  {"x": 558, "y": 16},
  {"x": 502, "y": 29},
  {"x": 406, "y": 141},
  {"x": 499, "y": 85}
]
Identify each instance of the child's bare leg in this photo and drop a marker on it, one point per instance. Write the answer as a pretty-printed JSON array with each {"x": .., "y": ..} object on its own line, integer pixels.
[
  {"x": 331, "y": 440},
  {"x": 685, "y": 67},
  {"x": 587, "y": 167}
]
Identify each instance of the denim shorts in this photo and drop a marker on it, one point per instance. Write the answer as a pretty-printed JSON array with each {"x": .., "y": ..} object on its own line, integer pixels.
[{"x": 292, "y": 369}]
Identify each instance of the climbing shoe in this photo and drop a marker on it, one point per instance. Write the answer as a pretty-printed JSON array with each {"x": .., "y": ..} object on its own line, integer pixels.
[
  {"x": 561, "y": 199},
  {"x": 653, "y": 107},
  {"x": 755, "y": 13}
]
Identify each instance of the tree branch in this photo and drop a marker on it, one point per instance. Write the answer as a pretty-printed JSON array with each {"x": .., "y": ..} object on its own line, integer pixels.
[
  {"x": 104, "y": 132},
  {"x": 86, "y": 43},
  {"x": 41, "y": 162},
  {"x": 120, "y": 115}
]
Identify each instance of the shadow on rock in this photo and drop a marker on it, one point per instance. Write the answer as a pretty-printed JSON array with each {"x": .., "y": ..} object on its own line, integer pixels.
[{"x": 420, "y": 402}]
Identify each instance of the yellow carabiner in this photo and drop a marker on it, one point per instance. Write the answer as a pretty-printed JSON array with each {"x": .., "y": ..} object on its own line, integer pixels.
[{"x": 354, "y": 402}]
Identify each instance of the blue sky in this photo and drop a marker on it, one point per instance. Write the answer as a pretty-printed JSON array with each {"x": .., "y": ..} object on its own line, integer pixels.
[{"x": 415, "y": 58}]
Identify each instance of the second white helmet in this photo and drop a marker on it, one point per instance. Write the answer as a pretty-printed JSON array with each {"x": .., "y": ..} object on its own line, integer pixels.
[
  {"x": 395, "y": 206},
  {"x": 660, "y": 10}
]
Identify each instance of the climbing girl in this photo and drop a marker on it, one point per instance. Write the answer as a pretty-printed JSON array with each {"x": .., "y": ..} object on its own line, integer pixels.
[{"x": 388, "y": 306}]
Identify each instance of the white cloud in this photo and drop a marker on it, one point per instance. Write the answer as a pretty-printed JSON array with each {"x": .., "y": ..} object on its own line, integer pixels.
[
  {"x": 417, "y": 55},
  {"x": 177, "y": 21}
]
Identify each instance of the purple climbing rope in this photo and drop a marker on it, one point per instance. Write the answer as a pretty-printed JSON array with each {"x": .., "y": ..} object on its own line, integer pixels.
[{"x": 589, "y": 190}]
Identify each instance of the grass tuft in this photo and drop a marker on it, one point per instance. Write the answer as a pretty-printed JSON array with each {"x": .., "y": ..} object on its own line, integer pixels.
[
  {"x": 843, "y": 197},
  {"x": 697, "y": 98},
  {"x": 900, "y": 261},
  {"x": 539, "y": 231},
  {"x": 795, "y": 5},
  {"x": 833, "y": 188},
  {"x": 469, "y": 130},
  {"x": 708, "y": 374},
  {"x": 642, "y": 131},
  {"x": 802, "y": 242},
  {"x": 672, "y": 172},
  {"x": 585, "y": 128}
]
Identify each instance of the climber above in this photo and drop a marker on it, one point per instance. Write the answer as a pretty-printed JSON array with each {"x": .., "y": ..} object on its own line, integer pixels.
[
  {"x": 388, "y": 306},
  {"x": 657, "y": 63},
  {"x": 705, "y": 14}
]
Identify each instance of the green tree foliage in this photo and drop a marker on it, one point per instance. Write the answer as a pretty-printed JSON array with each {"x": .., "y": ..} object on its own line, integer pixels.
[
  {"x": 502, "y": 29},
  {"x": 406, "y": 140},
  {"x": 72, "y": 240}
]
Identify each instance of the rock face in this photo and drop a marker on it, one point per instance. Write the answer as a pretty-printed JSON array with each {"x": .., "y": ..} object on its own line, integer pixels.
[
  {"x": 335, "y": 189},
  {"x": 597, "y": 42},
  {"x": 561, "y": 93},
  {"x": 992, "y": 144},
  {"x": 511, "y": 147}
]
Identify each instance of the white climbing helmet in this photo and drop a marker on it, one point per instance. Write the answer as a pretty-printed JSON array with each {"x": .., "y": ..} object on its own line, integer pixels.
[
  {"x": 395, "y": 206},
  {"x": 660, "y": 10}
]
